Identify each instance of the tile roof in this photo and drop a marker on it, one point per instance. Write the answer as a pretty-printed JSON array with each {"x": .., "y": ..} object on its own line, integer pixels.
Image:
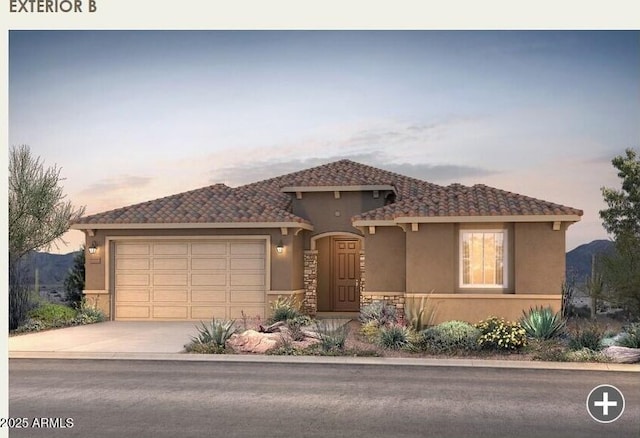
[
  {"x": 264, "y": 201},
  {"x": 213, "y": 204},
  {"x": 458, "y": 200}
]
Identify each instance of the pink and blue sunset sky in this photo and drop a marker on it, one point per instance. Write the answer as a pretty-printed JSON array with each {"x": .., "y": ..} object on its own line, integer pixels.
[{"x": 131, "y": 116}]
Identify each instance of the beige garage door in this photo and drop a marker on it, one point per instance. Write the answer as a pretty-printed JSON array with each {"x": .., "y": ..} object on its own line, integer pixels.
[{"x": 189, "y": 280}]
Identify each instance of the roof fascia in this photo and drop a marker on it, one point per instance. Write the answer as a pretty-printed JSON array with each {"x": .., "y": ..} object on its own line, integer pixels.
[{"x": 156, "y": 226}]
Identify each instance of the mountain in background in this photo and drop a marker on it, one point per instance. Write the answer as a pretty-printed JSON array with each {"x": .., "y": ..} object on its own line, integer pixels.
[
  {"x": 579, "y": 259},
  {"x": 52, "y": 268}
]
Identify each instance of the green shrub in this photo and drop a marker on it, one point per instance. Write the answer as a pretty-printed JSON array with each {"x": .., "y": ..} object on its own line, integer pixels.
[
  {"x": 499, "y": 334},
  {"x": 586, "y": 336},
  {"x": 394, "y": 337},
  {"x": 284, "y": 308},
  {"x": 217, "y": 332},
  {"x": 87, "y": 314},
  {"x": 370, "y": 330},
  {"x": 378, "y": 311},
  {"x": 206, "y": 348},
  {"x": 542, "y": 323},
  {"x": 631, "y": 336},
  {"x": 418, "y": 317},
  {"x": 451, "y": 336},
  {"x": 53, "y": 315},
  {"x": 332, "y": 334},
  {"x": 31, "y": 325},
  {"x": 586, "y": 355}
]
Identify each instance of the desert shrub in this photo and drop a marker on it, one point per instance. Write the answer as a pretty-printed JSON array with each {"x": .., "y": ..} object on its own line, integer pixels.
[
  {"x": 87, "y": 314},
  {"x": 370, "y": 330},
  {"x": 284, "y": 308},
  {"x": 206, "y": 348},
  {"x": 381, "y": 312},
  {"x": 586, "y": 336},
  {"x": 332, "y": 334},
  {"x": 420, "y": 316},
  {"x": 500, "y": 334},
  {"x": 630, "y": 336},
  {"x": 542, "y": 323},
  {"x": 586, "y": 355},
  {"x": 451, "y": 336},
  {"x": 52, "y": 315},
  {"x": 394, "y": 336},
  {"x": 217, "y": 332},
  {"x": 552, "y": 350},
  {"x": 31, "y": 325}
]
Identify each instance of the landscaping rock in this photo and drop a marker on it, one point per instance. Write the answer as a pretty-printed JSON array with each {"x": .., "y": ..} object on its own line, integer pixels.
[
  {"x": 622, "y": 354},
  {"x": 251, "y": 341}
]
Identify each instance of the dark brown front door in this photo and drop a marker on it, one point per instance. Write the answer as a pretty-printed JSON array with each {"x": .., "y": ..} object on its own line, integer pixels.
[{"x": 345, "y": 288}]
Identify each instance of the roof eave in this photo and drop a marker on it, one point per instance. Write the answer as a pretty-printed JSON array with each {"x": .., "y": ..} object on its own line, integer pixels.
[
  {"x": 192, "y": 225},
  {"x": 468, "y": 219}
]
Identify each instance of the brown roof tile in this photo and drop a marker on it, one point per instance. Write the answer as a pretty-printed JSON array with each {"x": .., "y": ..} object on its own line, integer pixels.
[
  {"x": 458, "y": 200},
  {"x": 264, "y": 201}
]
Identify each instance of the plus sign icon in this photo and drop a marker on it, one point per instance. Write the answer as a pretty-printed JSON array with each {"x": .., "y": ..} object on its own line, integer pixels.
[{"x": 605, "y": 403}]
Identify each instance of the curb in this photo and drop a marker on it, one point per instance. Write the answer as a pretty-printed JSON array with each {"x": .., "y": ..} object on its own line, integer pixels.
[{"x": 339, "y": 360}]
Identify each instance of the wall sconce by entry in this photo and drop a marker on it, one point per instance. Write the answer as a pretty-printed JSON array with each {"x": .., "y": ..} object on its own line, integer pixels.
[
  {"x": 93, "y": 248},
  {"x": 280, "y": 248}
]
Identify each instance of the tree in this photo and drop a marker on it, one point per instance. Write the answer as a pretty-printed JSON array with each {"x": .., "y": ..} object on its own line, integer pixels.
[
  {"x": 74, "y": 283},
  {"x": 621, "y": 270},
  {"x": 38, "y": 216}
]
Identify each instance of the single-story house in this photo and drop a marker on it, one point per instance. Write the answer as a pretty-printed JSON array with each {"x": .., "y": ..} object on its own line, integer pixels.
[{"x": 336, "y": 236}]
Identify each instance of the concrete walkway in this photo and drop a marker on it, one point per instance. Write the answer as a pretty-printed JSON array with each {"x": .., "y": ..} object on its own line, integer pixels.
[{"x": 165, "y": 341}]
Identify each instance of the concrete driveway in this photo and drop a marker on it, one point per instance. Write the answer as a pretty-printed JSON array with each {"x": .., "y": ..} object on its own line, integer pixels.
[{"x": 108, "y": 337}]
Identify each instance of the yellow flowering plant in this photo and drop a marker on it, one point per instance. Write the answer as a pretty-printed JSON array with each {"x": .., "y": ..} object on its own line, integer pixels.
[{"x": 500, "y": 334}]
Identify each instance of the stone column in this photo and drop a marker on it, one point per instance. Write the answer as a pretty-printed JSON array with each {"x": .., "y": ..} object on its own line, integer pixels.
[{"x": 310, "y": 304}]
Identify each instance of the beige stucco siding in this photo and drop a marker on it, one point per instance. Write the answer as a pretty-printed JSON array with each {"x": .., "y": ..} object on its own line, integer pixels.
[
  {"x": 539, "y": 258},
  {"x": 431, "y": 253},
  {"x": 385, "y": 260},
  {"x": 328, "y": 214}
]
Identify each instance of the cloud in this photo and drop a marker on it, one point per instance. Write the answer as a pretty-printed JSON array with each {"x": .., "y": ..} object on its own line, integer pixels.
[{"x": 116, "y": 184}]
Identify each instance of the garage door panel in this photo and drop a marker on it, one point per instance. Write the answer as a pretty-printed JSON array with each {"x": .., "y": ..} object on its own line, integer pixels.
[
  {"x": 247, "y": 296},
  {"x": 170, "y": 248},
  {"x": 137, "y": 312},
  {"x": 132, "y": 264},
  {"x": 209, "y": 248},
  {"x": 209, "y": 312},
  {"x": 209, "y": 296},
  {"x": 247, "y": 279},
  {"x": 247, "y": 248},
  {"x": 169, "y": 279},
  {"x": 132, "y": 279},
  {"x": 235, "y": 312},
  {"x": 134, "y": 249},
  {"x": 134, "y": 295},
  {"x": 251, "y": 264},
  {"x": 178, "y": 295},
  {"x": 209, "y": 264},
  {"x": 209, "y": 279},
  {"x": 171, "y": 312},
  {"x": 174, "y": 264}
]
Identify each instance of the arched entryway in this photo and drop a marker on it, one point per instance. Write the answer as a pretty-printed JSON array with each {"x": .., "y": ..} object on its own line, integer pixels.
[{"x": 340, "y": 270}]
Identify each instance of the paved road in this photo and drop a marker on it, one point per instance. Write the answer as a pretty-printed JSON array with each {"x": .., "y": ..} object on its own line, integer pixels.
[{"x": 108, "y": 398}]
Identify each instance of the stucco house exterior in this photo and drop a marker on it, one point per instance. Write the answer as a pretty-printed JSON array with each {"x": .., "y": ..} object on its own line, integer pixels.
[{"x": 336, "y": 236}]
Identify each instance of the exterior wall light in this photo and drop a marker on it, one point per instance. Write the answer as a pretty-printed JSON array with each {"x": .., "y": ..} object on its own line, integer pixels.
[
  {"x": 280, "y": 248},
  {"x": 93, "y": 248}
]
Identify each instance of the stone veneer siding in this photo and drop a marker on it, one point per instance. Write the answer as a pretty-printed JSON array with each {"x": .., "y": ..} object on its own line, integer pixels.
[
  {"x": 396, "y": 301},
  {"x": 310, "y": 302}
]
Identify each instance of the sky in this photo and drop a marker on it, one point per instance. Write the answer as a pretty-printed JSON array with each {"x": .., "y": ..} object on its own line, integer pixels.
[{"x": 131, "y": 116}]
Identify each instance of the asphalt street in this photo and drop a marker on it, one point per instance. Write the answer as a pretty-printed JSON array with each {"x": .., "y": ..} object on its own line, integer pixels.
[{"x": 112, "y": 398}]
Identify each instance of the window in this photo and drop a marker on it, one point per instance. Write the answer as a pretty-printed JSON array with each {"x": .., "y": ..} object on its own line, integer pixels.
[{"x": 483, "y": 261}]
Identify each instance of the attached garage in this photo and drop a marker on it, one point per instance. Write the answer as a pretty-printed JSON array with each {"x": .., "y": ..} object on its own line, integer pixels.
[{"x": 189, "y": 279}]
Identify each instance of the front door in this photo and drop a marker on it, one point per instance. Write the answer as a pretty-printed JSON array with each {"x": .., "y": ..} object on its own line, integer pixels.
[{"x": 345, "y": 288}]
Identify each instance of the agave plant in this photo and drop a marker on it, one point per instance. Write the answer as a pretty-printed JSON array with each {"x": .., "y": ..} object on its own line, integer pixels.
[
  {"x": 542, "y": 323},
  {"x": 217, "y": 332}
]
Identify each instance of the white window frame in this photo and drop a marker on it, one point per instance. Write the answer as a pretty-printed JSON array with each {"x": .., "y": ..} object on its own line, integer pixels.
[{"x": 505, "y": 260}]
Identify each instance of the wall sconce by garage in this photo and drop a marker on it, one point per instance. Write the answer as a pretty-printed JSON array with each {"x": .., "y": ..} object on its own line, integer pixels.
[
  {"x": 93, "y": 248},
  {"x": 280, "y": 248}
]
